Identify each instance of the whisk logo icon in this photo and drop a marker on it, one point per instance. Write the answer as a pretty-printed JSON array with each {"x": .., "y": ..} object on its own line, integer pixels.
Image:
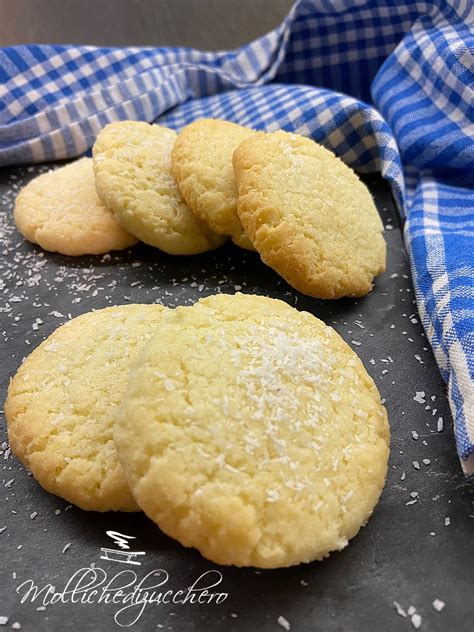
[{"x": 122, "y": 554}]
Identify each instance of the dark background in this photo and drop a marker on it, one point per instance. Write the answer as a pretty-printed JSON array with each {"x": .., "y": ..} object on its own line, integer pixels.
[{"x": 418, "y": 545}]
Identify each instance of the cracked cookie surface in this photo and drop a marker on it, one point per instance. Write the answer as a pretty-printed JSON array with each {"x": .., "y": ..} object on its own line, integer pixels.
[
  {"x": 252, "y": 432},
  {"x": 308, "y": 215},
  {"x": 61, "y": 212},
  {"x": 132, "y": 166},
  {"x": 61, "y": 402},
  {"x": 202, "y": 166}
]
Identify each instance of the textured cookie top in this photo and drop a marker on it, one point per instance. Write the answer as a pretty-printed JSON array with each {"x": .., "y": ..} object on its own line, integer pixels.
[
  {"x": 61, "y": 212},
  {"x": 61, "y": 402},
  {"x": 252, "y": 432},
  {"x": 132, "y": 165},
  {"x": 202, "y": 166},
  {"x": 308, "y": 215}
]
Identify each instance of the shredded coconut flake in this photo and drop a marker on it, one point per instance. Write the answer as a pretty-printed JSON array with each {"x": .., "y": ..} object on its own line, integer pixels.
[
  {"x": 438, "y": 605},
  {"x": 285, "y": 624},
  {"x": 420, "y": 397},
  {"x": 416, "y": 620},
  {"x": 399, "y": 609}
]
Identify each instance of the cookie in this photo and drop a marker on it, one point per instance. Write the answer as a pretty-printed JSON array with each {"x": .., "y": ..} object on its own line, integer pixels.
[
  {"x": 274, "y": 454},
  {"x": 132, "y": 165},
  {"x": 308, "y": 215},
  {"x": 202, "y": 166},
  {"x": 61, "y": 402},
  {"x": 61, "y": 212}
]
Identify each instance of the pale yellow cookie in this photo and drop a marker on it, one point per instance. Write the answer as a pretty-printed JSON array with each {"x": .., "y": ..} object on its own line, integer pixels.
[
  {"x": 202, "y": 166},
  {"x": 132, "y": 165},
  {"x": 61, "y": 212},
  {"x": 252, "y": 432},
  {"x": 308, "y": 215},
  {"x": 61, "y": 402}
]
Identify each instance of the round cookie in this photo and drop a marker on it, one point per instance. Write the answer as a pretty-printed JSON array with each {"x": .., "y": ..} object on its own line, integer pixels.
[
  {"x": 202, "y": 166},
  {"x": 61, "y": 212},
  {"x": 61, "y": 402},
  {"x": 308, "y": 215},
  {"x": 275, "y": 454},
  {"x": 132, "y": 165}
]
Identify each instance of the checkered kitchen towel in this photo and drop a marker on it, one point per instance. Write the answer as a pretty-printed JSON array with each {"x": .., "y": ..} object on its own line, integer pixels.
[{"x": 315, "y": 74}]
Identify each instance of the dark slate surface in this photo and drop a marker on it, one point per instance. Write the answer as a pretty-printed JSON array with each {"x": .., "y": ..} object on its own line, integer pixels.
[{"x": 408, "y": 553}]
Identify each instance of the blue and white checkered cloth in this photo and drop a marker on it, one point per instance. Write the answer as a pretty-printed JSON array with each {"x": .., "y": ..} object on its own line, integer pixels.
[{"x": 313, "y": 75}]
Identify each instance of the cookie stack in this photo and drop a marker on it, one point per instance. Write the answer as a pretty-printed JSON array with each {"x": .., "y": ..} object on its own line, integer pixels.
[
  {"x": 301, "y": 208},
  {"x": 273, "y": 456}
]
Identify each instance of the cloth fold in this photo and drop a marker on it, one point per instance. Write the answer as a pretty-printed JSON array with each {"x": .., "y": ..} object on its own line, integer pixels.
[{"x": 387, "y": 85}]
